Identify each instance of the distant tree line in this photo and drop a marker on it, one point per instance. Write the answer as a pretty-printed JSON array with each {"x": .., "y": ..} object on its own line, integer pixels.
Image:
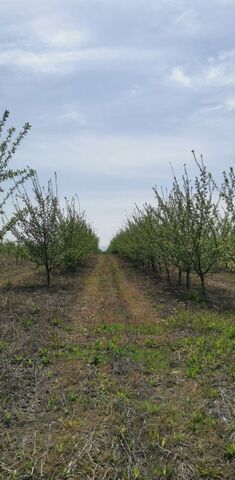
[
  {"x": 47, "y": 233},
  {"x": 189, "y": 229}
]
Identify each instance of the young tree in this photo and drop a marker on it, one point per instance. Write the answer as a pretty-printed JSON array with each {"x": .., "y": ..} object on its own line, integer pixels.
[
  {"x": 228, "y": 221},
  {"x": 38, "y": 221},
  {"x": 78, "y": 239},
  {"x": 180, "y": 226},
  {"x": 158, "y": 233},
  {"x": 205, "y": 228},
  {"x": 9, "y": 178}
]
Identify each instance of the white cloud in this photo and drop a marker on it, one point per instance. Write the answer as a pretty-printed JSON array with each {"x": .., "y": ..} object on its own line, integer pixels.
[
  {"x": 54, "y": 61},
  {"x": 178, "y": 76},
  {"x": 75, "y": 116},
  {"x": 217, "y": 72},
  {"x": 136, "y": 90},
  {"x": 220, "y": 75},
  {"x": 227, "y": 54},
  {"x": 230, "y": 104},
  {"x": 188, "y": 22},
  {"x": 64, "y": 38},
  {"x": 56, "y": 34},
  {"x": 210, "y": 109}
]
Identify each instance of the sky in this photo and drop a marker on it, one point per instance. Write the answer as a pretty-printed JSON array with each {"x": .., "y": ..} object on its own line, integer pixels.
[{"x": 115, "y": 90}]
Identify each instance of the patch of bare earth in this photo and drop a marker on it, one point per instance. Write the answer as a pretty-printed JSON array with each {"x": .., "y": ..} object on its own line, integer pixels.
[{"x": 102, "y": 378}]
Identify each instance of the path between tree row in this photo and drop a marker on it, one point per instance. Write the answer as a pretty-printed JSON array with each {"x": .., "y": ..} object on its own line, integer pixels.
[{"x": 110, "y": 296}]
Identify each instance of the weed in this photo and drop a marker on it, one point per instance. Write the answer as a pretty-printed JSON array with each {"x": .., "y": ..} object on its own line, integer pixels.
[
  {"x": 123, "y": 395},
  {"x": 197, "y": 418},
  {"x": 211, "y": 392},
  {"x": 150, "y": 329},
  {"x": 147, "y": 406},
  {"x": 60, "y": 447},
  {"x": 164, "y": 471},
  {"x": 72, "y": 397},
  {"x": 201, "y": 421},
  {"x": 122, "y": 431},
  {"x": 34, "y": 308},
  {"x": 193, "y": 368},
  {"x": 52, "y": 402},
  {"x": 136, "y": 472},
  {"x": 152, "y": 359},
  {"x": 72, "y": 423},
  {"x": 208, "y": 472},
  {"x": 110, "y": 328},
  {"x": 7, "y": 418},
  {"x": 45, "y": 355},
  {"x": 18, "y": 358},
  {"x": 74, "y": 351},
  {"x": 229, "y": 450},
  {"x": 115, "y": 349},
  {"x": 27, "y": 323},
  {"x": 2, "y": 346},
  {"x": 30, "y": 362},
  {"x": 57, "y": 322},
  {"x": 154, "y": 435},
  {"x": 117, "y": 328},
  {"x": 95, "y": 359}
]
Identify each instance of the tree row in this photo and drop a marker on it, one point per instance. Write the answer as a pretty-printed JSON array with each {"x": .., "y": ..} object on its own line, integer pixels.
[
  {"x": 49, "y": 234},
  {"x": 190, "y": 228}
]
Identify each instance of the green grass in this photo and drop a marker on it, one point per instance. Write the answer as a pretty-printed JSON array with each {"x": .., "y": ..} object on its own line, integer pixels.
[
  {"x": 207, "y": 343},
  {"x": 118, "y": 328},
  {"x": 27, "y": 323},
  {"x": 2, "y": 346}
]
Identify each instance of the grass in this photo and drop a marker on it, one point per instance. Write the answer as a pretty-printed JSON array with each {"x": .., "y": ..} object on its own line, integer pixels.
[
  {"x": 115, "y": 329},
  {"x": 100, "y": 387},
  {"x": 207, "y": 343},
  {"x": 2, "y": 346}
]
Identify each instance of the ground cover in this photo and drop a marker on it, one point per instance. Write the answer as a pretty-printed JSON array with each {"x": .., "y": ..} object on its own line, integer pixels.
[{"x": 112, "y": 374}]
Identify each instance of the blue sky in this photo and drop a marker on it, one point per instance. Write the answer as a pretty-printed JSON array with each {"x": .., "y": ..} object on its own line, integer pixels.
[{"x": 117, "y": 89}]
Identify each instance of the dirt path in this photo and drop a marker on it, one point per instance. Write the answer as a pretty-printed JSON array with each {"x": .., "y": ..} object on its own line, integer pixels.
[
  {"x": 111, "y": 315},
  {"x": 110, "y": 384},
  {"x": 110, "y": 296}
]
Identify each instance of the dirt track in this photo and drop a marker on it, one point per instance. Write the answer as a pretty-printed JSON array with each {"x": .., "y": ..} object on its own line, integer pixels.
[{"x": 110, "y": 295}]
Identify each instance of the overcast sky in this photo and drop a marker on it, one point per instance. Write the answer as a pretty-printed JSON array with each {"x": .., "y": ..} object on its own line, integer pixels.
[{"x": 117, "y": 89}]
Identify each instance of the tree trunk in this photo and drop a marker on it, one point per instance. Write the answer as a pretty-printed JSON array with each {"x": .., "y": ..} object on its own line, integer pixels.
[
  {"x": 188, "y": 282},
  {"x": 168, "y": 274},
  {"x": 150, "y": 266},
  {"x": 180, "y": 278},
  {"x": 48, "y": 276},
  {"x": 153, "y": 266},
  {"x": 202, "y": 278}
]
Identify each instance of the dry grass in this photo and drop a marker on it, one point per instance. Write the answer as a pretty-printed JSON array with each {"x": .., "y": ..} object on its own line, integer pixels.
[{"x": 108, "y": 376}]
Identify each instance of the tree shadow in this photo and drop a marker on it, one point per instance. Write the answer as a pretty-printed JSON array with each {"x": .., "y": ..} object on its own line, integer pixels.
[{"x": 218, "y": 297}]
